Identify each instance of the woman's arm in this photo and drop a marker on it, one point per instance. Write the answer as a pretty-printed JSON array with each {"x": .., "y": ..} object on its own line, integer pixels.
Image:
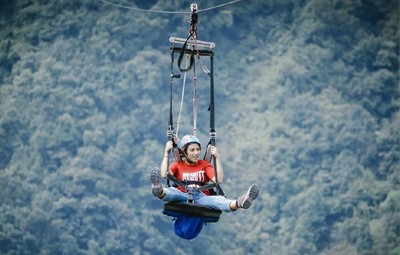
[
  {"x": 164, "y": 162},
  {"x": 218, "y": 165}
]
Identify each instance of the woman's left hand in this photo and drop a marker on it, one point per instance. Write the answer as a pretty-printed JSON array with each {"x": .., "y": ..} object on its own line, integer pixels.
[{"x": 214, "y": 151}]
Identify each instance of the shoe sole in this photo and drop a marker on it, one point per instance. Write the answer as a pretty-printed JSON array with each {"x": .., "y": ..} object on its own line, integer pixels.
[
  {"x": 155, "y": 181},
  {"x": 251, "y": 195}
]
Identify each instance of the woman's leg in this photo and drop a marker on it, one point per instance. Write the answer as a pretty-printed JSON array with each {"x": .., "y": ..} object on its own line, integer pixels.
[
  {"x": 174, "y": 194},
  {"x": 166, "y": 194},
  {"x": 228, "y": 205},
  {"x": 215, "y": 202}
]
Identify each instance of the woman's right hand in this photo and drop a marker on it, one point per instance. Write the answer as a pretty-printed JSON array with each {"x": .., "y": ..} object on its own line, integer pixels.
[{"x": 168, "y": 146}]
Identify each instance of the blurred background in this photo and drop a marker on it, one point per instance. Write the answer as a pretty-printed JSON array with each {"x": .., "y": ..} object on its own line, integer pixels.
[{"x": 307, "y": 107}]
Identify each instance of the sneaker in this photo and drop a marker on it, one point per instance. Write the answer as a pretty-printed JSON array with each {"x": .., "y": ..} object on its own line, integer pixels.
[
  {"x": 245, "y": 200},
  {"x": 156, "y": 186}
]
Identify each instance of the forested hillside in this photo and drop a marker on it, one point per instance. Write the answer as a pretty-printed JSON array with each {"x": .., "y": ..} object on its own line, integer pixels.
[{"x": 307, "y": 107}]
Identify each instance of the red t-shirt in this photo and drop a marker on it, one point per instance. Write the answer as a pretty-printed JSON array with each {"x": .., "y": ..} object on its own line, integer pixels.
[{"x": 202, "y": 172}]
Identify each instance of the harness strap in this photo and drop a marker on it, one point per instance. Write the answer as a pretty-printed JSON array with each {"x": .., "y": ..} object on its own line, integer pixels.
[
  {"x": 174, "y": 179},
  {"x": 177, "y": 154},
  {"x": 182, "y": 53},
  {"x": 207, "y": 154},
  {"x": 192, "y": 34},
  {"x": 184, "y": 184}
]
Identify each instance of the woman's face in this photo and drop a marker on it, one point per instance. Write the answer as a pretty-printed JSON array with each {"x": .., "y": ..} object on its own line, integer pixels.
[{"x": 193, "y": 152}]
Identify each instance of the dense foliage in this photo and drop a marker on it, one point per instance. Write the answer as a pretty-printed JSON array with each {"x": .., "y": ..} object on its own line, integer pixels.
[{"x": 307, "y": 107}]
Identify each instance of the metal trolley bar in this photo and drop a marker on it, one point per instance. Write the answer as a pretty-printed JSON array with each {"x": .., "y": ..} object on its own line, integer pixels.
[{"x": 192, "y": 42}]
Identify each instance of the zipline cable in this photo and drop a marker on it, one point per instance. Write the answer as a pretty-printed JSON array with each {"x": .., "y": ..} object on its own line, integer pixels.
[
  {"x": 219, "y": 6},
  {"x": 142, "y": 10},
  {"x": 169, "y": 12}
]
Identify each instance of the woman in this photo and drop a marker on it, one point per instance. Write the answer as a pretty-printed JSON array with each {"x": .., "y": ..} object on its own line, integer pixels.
[{"x": 196, "y": 172}]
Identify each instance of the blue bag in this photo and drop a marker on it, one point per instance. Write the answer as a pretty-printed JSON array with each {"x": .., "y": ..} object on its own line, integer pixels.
[{"x": 188, "y": 227}]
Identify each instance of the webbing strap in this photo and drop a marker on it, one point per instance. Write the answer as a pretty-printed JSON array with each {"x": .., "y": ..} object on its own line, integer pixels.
[
  {"x": 181, "y": 105},
  {"x": 177, "y": 154},
  {"x": 194, "y": 101}
]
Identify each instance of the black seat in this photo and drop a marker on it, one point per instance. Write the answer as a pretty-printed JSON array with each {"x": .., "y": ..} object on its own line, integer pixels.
[{"x": 174, "y": 209}]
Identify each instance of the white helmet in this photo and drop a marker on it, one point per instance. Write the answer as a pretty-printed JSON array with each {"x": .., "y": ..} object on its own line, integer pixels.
[{"x": 188, "y": 139}]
